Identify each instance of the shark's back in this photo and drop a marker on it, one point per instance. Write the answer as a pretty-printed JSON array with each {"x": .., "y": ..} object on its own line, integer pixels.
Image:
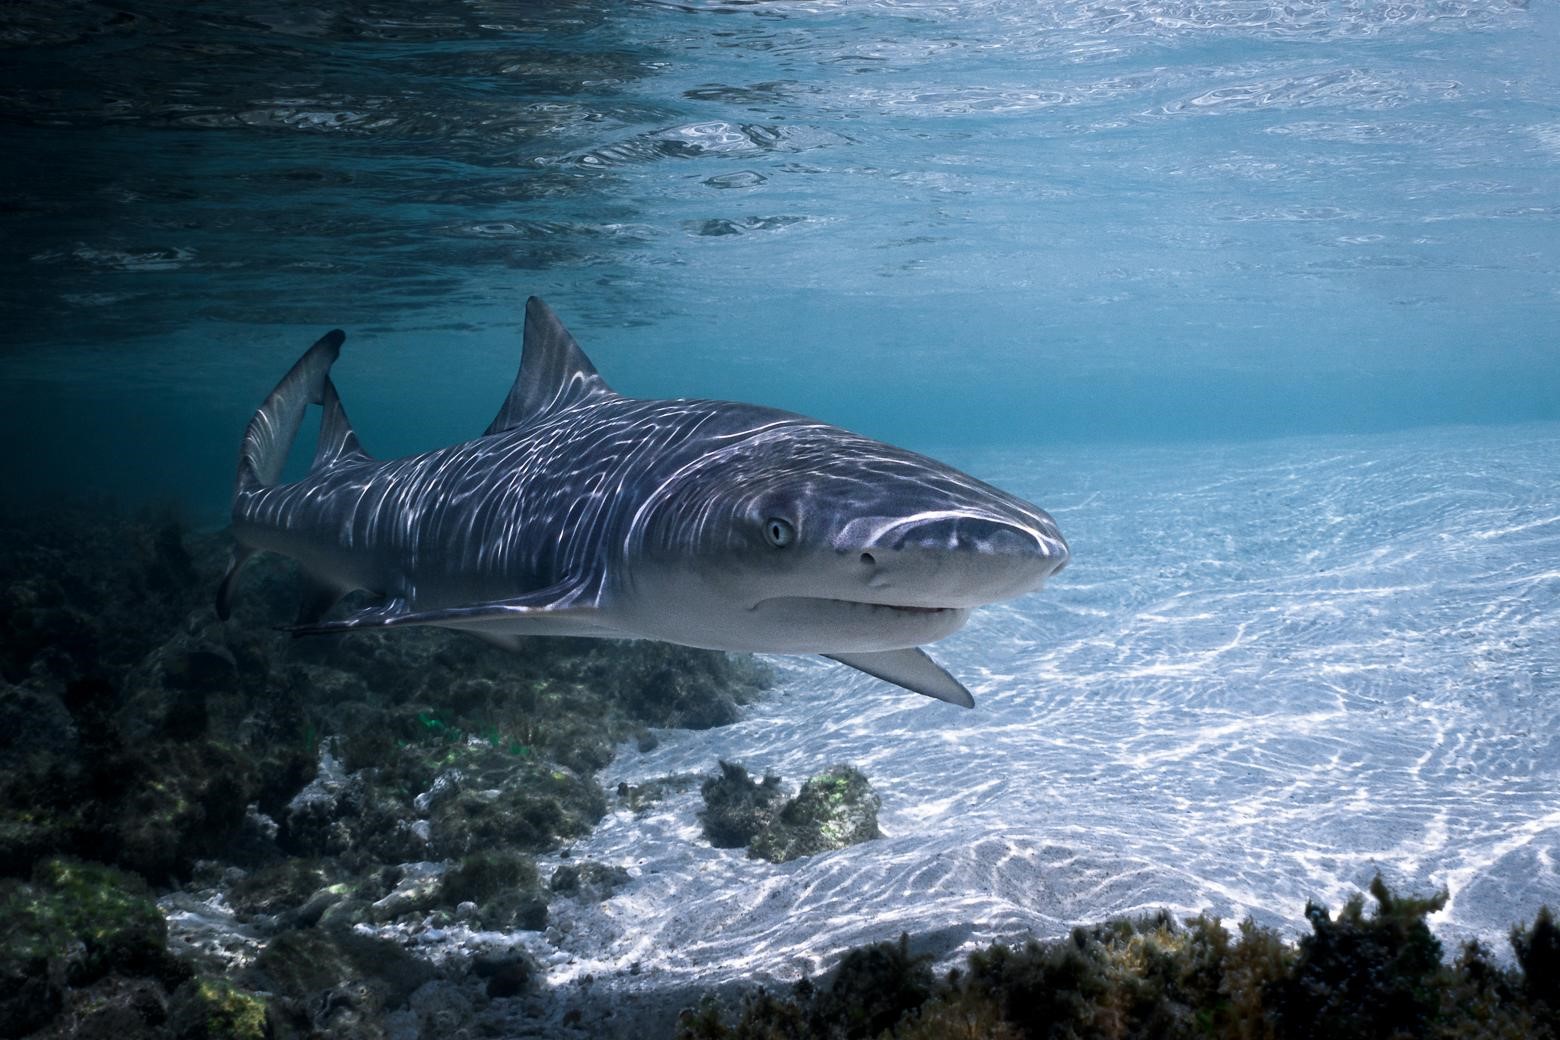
[{"x": 552, "y": 497}]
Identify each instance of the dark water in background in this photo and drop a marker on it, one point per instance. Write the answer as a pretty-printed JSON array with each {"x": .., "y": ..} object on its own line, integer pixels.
[
  {"x": 941, "y": 223},
  {"x": 1168, "y": 268}
]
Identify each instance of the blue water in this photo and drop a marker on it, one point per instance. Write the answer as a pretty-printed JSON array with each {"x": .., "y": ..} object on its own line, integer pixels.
[
  {"x": 988, "y": 222},
  {"x": 1263, "y": 300}
]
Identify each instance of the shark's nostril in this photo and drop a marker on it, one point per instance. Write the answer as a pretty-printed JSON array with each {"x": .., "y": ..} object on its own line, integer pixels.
[{"x": 868, "y": 559}]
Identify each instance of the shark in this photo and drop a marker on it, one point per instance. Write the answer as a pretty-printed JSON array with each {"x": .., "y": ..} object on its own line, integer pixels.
[{"x": 584, "y": 512}]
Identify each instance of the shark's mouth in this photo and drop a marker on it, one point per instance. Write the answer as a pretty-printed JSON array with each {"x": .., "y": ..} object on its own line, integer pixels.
[
  {"x": 855, "y": 604},
  {"x": 819, "y": 624},
  {"x": 903, "y": 610}
]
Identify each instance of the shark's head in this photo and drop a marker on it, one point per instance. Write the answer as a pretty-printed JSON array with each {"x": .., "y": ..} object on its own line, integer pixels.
[{"x": 802, "y": 537}]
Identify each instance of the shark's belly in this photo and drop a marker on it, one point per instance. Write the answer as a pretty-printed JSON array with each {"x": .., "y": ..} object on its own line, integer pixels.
[{"x": 794, "y": 625}]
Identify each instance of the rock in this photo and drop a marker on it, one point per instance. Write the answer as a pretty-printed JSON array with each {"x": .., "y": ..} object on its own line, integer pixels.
[
  {"x": 509, "y": 973},
  {"x": 214, "y": 1009},
  {"x": 276, "y": 889},
  {"x": 674, "y": 686},
  {"x": 834, "y": 809},
  {"x": 589, "y": 882},
  {"x": 483, "y": 875},
  {"x": 113, "y": 1008},
  {"x": 341, "y": 983},
  {"x": 319, "y": 819},
  {"x": 418, "y": 891},
  {"x": 302, "y": 781},
  {"x": 35, "y": 729},
  {"x": 32, "y": 983},
  {"x": 180, "y": 801},
  {"x": 517, "y": 803},
  {"x": 503, "y": 887},
  {"x": 735, "y": 808},
  {"x": 72, "y": 925},
  {"x": 641, "y": 797}
]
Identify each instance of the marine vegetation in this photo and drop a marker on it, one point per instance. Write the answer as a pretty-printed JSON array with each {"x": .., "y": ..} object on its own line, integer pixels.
[
  {"x": 276, "y": 793},
  {"x": 1355, "y": 976}
]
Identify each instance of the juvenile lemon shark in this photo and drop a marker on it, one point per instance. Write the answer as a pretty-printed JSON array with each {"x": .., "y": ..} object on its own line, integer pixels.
[{"x": 581, "y": 512}]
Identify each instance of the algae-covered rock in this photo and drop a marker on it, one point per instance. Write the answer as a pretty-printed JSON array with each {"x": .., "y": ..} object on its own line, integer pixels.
[
  {"x": 589, "y": 882},
  {"x": 113, "y": 1008},
  {"x": 214, "y": 1009},
  {"x": 483, "y": 875},
  {"x": 300, "y": 791},
  {"x": 71, "y": 925},
  {"x": 834, "y": 809},
  {"x": 504, "y": 888},
  {"x": 35, "y": 729},
  {"x": 97, "y": 917},
  {"x": 515, "y": 802},
  {"x": 735, "y": 808},
  {"x": 639, "y": 798},
  {"x": 417, "y": 892},
  {"x": 662, "y": 684},
  {"x": 337, "y": 982},
  {"x": 874, "y": 987},
  {"x": 1357, "y": 976},
  {"x": 181, "y": 800},
  {"x": 508, "y": 973}
]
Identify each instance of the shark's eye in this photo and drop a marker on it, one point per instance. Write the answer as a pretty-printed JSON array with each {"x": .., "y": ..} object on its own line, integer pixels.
[{"x": 780, "y": 533}]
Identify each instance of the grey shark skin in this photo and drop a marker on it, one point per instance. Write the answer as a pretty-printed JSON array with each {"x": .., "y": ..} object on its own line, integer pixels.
[{"x": 582, "y": 512}]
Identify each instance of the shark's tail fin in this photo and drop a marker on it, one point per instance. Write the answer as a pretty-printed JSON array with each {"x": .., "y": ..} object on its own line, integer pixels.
[
  {"x": 270, "y": 435},
  {"x": 272, "y": 430}
]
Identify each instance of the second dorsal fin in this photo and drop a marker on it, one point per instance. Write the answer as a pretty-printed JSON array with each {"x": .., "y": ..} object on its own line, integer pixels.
[
  {"x": 554, "y": 371},
  {"x": 338, "y": 442}
]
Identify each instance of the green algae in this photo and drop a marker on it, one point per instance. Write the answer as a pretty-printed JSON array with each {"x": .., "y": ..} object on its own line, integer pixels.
[
  {"x": 208, "y": 1008},
  {"x": 93, "y": 917},
  {"x": 71, "y": 925}
]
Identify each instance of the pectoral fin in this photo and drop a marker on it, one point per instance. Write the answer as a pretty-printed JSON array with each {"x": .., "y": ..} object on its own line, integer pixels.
[
  {"x": 556, "y": 610},
  {"x": 911, "y": 669}
]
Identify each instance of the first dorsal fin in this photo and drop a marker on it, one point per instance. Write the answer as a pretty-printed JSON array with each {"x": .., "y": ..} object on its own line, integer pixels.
[
  {"x": 554, "y": 371},
  {"x": 338, "y": 441}
]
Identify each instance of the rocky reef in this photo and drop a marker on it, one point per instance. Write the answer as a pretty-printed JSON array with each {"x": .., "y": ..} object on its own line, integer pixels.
[{"x": 283, "y": 797}]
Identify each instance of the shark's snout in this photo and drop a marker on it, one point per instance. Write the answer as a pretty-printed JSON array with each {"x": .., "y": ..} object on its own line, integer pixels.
[
  {"x": 961, "y": 559},
  {"x": 963, "y": 534}
]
